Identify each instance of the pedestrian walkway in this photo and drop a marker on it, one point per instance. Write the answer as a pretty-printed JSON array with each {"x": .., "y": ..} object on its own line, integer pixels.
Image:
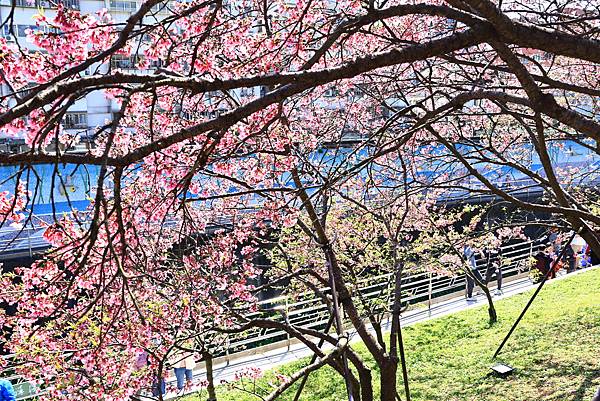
[{"x": 290, "y": 352}]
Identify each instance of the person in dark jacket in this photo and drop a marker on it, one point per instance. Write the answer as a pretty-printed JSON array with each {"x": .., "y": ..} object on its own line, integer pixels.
[
  {"x": 494, "y": 267},
  {"x": 554, "y": 241},
  {"x": 594, "y": 259},
  {"x": 570, "y": 259},
  {"x": 7, "y": 392},
  {"x": 543, "y": 263},
  {"x": 470, "y": 257}
]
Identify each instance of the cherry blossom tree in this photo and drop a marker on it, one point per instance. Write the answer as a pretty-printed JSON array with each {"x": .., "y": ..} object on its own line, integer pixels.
[{"x": 256, "y": 117}]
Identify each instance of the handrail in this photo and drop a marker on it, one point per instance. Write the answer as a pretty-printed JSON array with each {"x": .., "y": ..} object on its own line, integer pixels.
[{"x": 418, "y": 288}]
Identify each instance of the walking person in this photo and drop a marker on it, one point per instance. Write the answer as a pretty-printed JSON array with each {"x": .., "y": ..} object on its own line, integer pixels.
[
  {"x": 469, "y": 255},
  {"x": 570, "y": 259},
  {"x": 543, "y": 263},
  {"x": 7, "y": 392},
  {"x": 494, "y": 266},
  {"x": 593, "y": 257},
  {"x": 159, "y": 385},
  {"x": 578, "y": 244},
  {"x": 183, "y": 364},
  {"x": 553, "y": 241}
]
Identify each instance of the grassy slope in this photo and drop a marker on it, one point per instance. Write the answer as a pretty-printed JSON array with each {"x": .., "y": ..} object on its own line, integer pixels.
[{"x": 556, "y": 351}]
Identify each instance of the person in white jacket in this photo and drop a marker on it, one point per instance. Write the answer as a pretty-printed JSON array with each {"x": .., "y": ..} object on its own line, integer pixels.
[{"x": 183, "y": 364}]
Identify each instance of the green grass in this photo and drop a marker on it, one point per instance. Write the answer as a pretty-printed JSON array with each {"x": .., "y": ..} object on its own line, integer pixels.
[{"x": 555, "y": 350}]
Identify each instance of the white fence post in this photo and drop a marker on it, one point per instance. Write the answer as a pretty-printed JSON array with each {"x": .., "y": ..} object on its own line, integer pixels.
[{"x": 429, "y": 293}]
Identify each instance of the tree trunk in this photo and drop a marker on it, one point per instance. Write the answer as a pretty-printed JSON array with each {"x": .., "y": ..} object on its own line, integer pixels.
[
  {"x": 212, "y": 396},
  {"x": 491, "y": 308},
  {"x": 364, "y": 374},
  {"x": 388, "y": 380},
  {"x": 366, "y": 385}
]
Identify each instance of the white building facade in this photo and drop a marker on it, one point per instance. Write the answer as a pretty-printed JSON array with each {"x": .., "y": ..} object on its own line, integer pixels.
[{"x": 95, "y": 109}]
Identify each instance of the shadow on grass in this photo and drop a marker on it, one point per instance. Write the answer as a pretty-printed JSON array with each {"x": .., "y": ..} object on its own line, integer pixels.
[
  {"x": 578, "y": 371},
  {"x": 586, "y": 384}
]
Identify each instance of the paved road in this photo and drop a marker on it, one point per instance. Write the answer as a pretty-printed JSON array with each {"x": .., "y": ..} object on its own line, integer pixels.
[{"x": 270, "y": 359}]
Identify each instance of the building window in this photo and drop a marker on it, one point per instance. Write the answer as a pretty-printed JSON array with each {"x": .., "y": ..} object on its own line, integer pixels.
[
  {"x": 356, "y": 92},
  {"x": 21, "y": 31},
  {"x": 155, "y": 63},
  {"x": 131, "y": 62},
  {"x": 72, "y": 4},
  {"x": 123, "y": 5},
  {"x": 27, "y": 89},
  {"x": 332, "y": 92},
  {"x": 120, "y": 61},
  {"x": 6, "y": 33},
  {"x": 75, "y": 120},
  {"x": 246, "y": 92},
  {"x": 162, "y": 7}
]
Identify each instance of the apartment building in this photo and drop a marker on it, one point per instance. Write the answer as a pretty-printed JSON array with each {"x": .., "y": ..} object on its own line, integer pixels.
[{"x": 95, "y": 109}]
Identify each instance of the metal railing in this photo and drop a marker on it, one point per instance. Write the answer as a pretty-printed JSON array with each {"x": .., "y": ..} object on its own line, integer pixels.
[
  {"x": 19, "y": 242},
  {"x": 308, "y": 311},
  {"x": 24, "y": 390},
  {"x": 28, "y": 240}
]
